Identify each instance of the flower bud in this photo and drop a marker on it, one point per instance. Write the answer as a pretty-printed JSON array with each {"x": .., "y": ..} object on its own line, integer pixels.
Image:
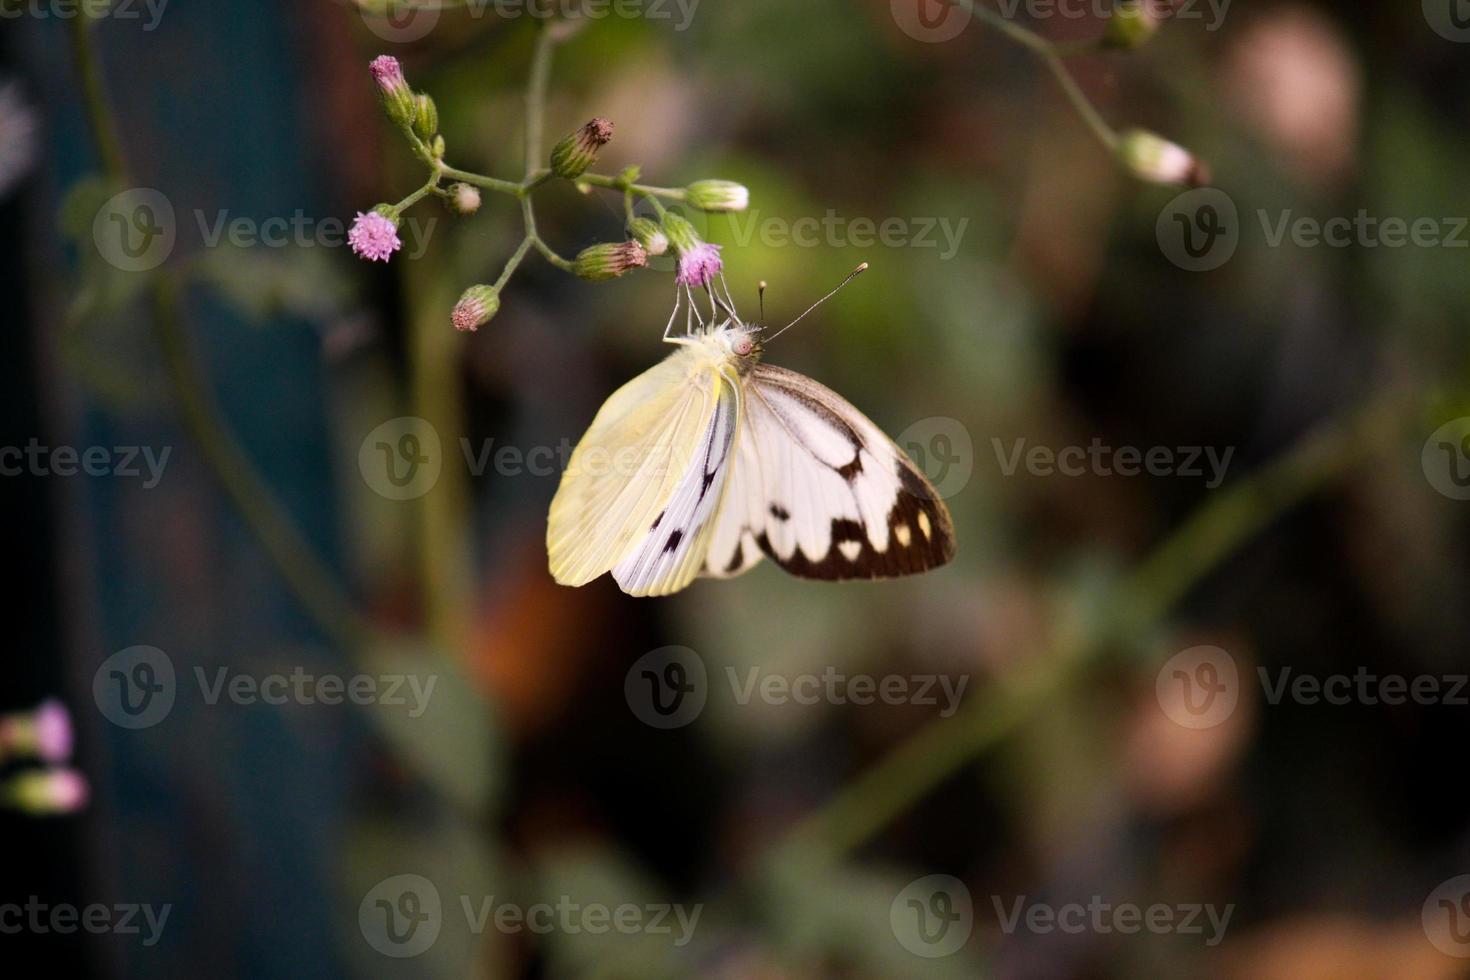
[
  {"x": 45, "y": 733},
  {"x": 436, "y": 146},
  {"x": 374, "y": 236},
  {"x": 43, "y": 792},
  {"x": 398, "y": 98},
  {"x": 578, "y": 151},
  {"x": 464, "y": 198},
  {"x": 1132, "y": 23},
  {"x": 680, "y": 232},
  {"x": 650, "y": 235},
  {"x": 426, "y": 117},
  {"x": 608, "y": 261},
  {"x": 1152, "y": 158},
  {"x": 717, "y": 195},
  {"x": 475, "y": 308}
]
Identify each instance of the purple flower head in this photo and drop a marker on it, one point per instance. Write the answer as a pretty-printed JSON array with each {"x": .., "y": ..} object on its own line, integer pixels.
[
  {"x": 48, "y": 791},
  {"x": 374, "y": 237},
  {"x": 698, "y": 265},
  {"x": 388, "y": 73},
  {"x": 53, "y": 731}
]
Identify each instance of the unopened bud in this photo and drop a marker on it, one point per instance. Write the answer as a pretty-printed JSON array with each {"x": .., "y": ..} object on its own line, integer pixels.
[
  {"x": 608, "y": 261},
  {"x": 426, "y": 117},
  {"x": 1152, "y": 158},
  {"x": 1132, "y": 23},
  {"x": 398, "y": 98},
  {"x": 475, "y": 308},
  {"x": 44, "y": 792},
  {"x": 45, "y": 733},
  {"x": 464, "y": 198},
  {"x": 649, "y": 234},
  {"x": 577, "y": 151},
  {"x": 680, "y": 232},
  {"x": 718, "y": 195},
  {"x": 436, "y": 147}
]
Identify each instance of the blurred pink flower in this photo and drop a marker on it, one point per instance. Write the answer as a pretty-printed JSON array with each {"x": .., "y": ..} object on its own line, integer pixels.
[
  {"x": 43, "y": 792},
  {"x": 45, "y": 733},
  {"x": 17, "y": 138},
  {"x": 374, "y": 237}
]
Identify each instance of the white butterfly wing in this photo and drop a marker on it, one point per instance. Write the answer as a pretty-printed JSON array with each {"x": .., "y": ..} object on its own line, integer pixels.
[
  {"x": 627, "y": 467},
  {"x": 822, "y": 491},
  {"x": 672, "y": 553}
]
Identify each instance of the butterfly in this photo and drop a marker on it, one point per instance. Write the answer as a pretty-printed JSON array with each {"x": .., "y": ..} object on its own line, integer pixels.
[{"x": 712, "y": 459}]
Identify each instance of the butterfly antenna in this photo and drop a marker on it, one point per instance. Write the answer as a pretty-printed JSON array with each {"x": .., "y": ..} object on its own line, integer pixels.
[
  {"x": 850, "y": 276},
  {"x": 761, "y": 291}
]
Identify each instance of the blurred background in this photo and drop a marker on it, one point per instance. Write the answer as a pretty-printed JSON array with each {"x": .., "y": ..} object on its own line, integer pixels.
[{"x": 1190, "y": 701}]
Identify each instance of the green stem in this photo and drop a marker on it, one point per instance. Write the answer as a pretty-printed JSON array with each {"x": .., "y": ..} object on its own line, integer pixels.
[
  {"x": 480, "y": 180},
  {"x": 647, "y": 190},
  {"x": 1214, "y": 532},
  {"x": 514, "y": 261},
  {"x": 536, "y": 97},
  {"x": 308, "y": 577},
  {"x": 1051, "y": 55}
]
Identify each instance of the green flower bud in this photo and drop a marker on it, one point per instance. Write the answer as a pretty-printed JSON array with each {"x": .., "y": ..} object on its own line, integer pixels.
[
  {"x": 426, "y": 117},
  {"x": 578, "y": 151},
  {"x": 1150, "y": 157},
  {"x": 398, "y": 98},
  {"x": 1131, "y": 24},
  {"x": 649, "y": 234},
  {"x": 717, "y": 195},
  {"x": 608, "y": 261},
  {"x": 680, "y": 232},
  {"x": 475, "y": 308}
]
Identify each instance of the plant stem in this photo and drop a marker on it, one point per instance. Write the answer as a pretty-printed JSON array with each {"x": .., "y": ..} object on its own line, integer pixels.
[
  {"x": 308, "y": 577},
  {"x": 536, "y": 97},
  {"x": 1051, "y": 55}
]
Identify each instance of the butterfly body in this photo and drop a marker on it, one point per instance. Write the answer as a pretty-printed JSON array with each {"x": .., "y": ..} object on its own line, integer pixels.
[{"x": 711, "y": 460}]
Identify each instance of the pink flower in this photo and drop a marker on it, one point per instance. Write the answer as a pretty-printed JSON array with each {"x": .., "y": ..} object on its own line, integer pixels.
[
  {"x": 45, "y": 733},
  {"x": 374, "y": 236},
  {"x": 48, "y": 791},
  {"x": 698, "y": 265},
  {"x": 388, "y": 73},
  {"x": 53, "y": 731}
]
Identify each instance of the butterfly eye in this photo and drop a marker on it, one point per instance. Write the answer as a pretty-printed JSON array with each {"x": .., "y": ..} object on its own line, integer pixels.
[{"x": 743, "y": 347}]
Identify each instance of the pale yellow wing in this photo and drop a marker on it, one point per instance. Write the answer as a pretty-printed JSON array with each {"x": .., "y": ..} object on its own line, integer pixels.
[{"x": 629, "y": 462}]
